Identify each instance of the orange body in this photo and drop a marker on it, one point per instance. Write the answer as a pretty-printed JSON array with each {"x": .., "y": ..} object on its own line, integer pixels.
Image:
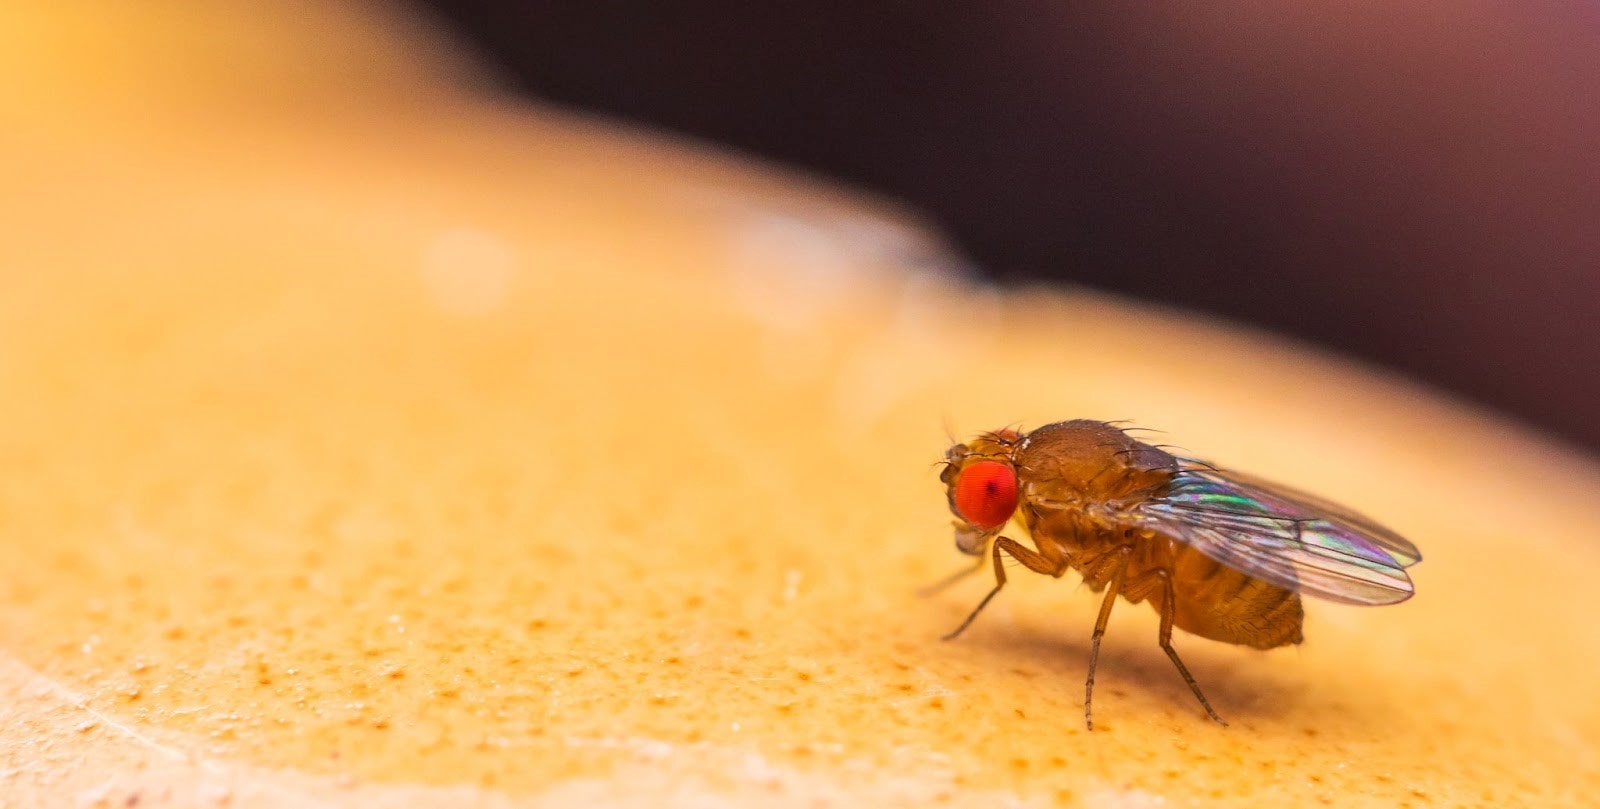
[
  {"x": 1075, "y": 478},
  {"x": 1219, "y": 554}
]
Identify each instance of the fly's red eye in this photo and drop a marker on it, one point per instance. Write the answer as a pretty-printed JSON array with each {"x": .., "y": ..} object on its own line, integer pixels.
[{"x": 986, "y": 494}]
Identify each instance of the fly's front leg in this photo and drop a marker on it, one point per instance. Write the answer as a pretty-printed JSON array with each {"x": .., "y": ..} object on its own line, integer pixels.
[
  {"x": 1029, "y": 558},
  {"x": 936, "y": 587}
]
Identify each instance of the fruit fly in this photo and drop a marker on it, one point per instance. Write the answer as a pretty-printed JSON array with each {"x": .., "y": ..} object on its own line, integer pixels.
[{"x": 1219, "y": 554}]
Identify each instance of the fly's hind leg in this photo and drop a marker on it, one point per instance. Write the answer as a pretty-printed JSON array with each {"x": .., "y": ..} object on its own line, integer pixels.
[
  {"x": 1168, "y": 611},
  {"x": 1115, "y": 587},
  {"x": 1029, "y": 558}
]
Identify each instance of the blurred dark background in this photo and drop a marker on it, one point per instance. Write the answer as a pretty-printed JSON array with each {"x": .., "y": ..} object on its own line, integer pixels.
[{"x": 1414, "y": 183}]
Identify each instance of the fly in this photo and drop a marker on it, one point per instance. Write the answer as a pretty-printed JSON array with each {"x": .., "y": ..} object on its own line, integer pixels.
[{"x": 1219, "y": 554}]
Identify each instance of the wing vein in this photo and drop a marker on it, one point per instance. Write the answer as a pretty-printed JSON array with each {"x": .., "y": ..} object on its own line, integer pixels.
[{"x": 1282, "y": 536}]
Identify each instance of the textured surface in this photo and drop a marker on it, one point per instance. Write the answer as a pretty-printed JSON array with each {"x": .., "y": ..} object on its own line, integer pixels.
[{"x": 400, "y": 445}]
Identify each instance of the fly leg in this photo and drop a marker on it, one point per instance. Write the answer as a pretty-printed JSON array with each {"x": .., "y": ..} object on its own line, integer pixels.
[
  {"x": 1113, "y": 588},
  {"x": 1029, "y": 558},
  {"x": 1168, "y": 610},
  {"x": 940, "y": 585},
  {"x": 1117, "y": 585}
]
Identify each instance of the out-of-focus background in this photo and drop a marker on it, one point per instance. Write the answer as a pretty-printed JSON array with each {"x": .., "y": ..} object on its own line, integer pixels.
[
  {"x": 374, "y": 435},
  {"x": 1417, "y": 184}
]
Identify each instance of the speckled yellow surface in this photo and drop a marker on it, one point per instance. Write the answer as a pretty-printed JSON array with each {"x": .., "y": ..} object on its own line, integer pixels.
[{"x": 375, "y": 442}]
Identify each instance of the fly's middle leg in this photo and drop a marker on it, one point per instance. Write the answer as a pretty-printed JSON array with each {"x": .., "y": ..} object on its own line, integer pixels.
[
  {"x": 1118, "y": 558},
  {"x": 1162, "y": 578}
]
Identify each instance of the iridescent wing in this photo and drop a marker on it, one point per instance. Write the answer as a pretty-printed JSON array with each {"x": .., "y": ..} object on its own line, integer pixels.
[{"x": 1287, "y": 538}]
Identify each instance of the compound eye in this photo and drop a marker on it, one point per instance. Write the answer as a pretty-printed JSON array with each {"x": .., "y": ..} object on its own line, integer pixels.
[{"x": 986, "y": 494}]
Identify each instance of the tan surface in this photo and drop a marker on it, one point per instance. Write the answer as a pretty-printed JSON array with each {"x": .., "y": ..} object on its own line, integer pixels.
[{"x": 373, "y": 443}]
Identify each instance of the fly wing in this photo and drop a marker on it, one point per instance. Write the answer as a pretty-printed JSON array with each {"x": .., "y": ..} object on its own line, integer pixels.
[{"x": 1282, "y": 536}]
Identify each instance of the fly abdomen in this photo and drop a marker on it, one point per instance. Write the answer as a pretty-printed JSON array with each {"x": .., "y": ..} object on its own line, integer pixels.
[{"x": 1215, "y": 601}]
